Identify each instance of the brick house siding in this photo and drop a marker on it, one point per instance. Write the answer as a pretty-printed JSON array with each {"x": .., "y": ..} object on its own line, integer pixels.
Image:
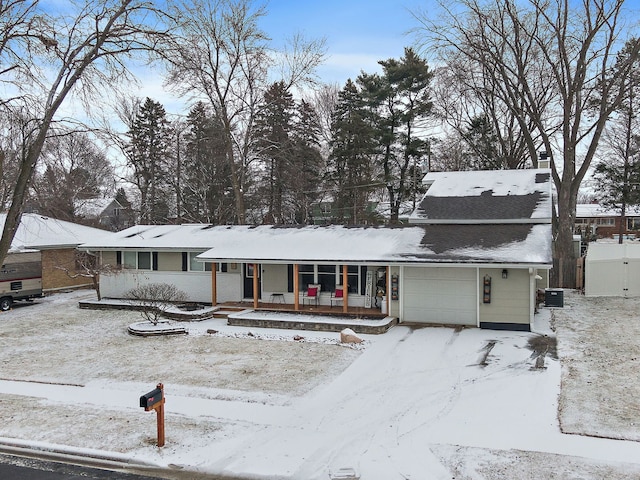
[{"x": 53, "y": 277}]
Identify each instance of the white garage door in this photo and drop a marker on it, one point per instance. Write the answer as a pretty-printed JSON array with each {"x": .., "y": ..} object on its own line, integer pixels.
[{"x": 439, "y": 295}]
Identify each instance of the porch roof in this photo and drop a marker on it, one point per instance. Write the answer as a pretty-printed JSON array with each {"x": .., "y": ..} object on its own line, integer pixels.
[{"x": 514, "y": 244}]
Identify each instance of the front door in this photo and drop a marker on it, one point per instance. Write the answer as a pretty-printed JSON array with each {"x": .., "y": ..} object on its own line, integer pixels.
[{"x": 248, "y": 280}]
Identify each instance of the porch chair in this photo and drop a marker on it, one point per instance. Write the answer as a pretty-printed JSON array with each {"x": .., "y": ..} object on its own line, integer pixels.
[
  {"x": 337, "y": 296},
  {"x": 312, "y": 294}
]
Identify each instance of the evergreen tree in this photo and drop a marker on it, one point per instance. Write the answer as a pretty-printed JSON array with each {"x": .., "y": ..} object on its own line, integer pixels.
[
  {"x": 482, "y": 141},
  {"x": 206, "y": 191},
  {"x": 307, "y": 162},
  {"x": 149, "y": 158},
  {"x": 350, "y": 167},
  {"x": 398, "y": 104},
  {"x": 273, "y": 132}
]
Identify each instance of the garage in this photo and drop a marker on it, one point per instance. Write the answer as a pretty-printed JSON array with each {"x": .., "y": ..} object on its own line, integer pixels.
[
  {"x": 440, "y": 295},
  {"x": 612, "y": 270}
]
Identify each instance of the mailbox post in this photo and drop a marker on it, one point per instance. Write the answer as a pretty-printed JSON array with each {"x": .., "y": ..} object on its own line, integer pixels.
[{"x": 154, "y": 400}]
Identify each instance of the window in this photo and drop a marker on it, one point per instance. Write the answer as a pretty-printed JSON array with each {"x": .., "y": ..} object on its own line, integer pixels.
[
  {"x": 606, "y": 221},
  {"x": 144, "y": 260},
  {"x": 353, "y": 278},
  {"x": 196, "y": 265},
  {"x": 329, "y": 276},
  {"x": 139, "y": 260},
  {"x": 307, "y": 275},
  {"x": 633, "y": 223},
  {"x": 129, "y": 260}
]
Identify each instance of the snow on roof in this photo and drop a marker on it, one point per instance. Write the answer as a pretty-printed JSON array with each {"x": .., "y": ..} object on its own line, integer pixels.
[
  {"x": 380, "y": 244},
  {"x": 92, "y": 207},
  {"x": 197, "y": 236},
  {"x": 593, "y": 210},
  {"x": 337, "y": 243},
  {"x": 39, "y": 232},
  {"x": 494, "y": 196}
]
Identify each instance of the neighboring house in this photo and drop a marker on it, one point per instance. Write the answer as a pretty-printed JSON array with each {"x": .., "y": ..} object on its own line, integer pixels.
[
  {"x": 104, "y": 212},
  {"x": 593, "y": 221},
  {"x": 327, "y": 212},
  {"x": 54, "y": 242},
  {"x": 478, "y": 250},
  {"x": 383, "y": 210}
]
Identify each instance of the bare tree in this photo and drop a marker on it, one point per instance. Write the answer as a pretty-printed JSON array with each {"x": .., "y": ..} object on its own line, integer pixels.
[
  {"x": 88, "y": 266},
  {"x": 76, "y": 172},
  {"x": 324, "y": 101},
  {"x": 223, "y": 56},
  {"x": 47, "y": 59},
  {"x": 154, "y": 299},
  {"x": 552, "y": 63},
  {"x": 461, "y": 97}
]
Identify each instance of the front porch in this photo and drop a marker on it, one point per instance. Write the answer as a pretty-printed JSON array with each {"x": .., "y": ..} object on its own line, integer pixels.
[{"x": 321, "y": 318}]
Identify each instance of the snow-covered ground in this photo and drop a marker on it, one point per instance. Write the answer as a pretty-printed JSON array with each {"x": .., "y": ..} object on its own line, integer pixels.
[{"x": 429, "y": 403}]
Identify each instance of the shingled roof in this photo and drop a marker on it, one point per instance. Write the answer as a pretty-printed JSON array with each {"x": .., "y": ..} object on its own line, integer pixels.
[{"x": 496, "y": 197}]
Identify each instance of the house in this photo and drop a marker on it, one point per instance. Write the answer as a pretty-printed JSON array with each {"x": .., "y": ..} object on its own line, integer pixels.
[
  {"x": 328, "y": 212},
  {"x": 477, "y": 250},
  {"x": 104, "y": 212},
  {"x": 594, "y": 221},
  {"x": 53, "y": 242}
]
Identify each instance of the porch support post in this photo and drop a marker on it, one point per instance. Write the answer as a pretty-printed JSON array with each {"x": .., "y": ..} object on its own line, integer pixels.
[
  {"x": 255, "y": 285},
  {"x": 214, "y": 284},
  {"x": 296, "y": 287},
  {"x": 345, "y": 289},
  {"x": 387, "y": 291}
]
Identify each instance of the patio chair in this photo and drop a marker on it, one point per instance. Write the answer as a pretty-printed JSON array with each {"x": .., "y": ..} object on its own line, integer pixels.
[
  {"x": 312, "y": 294},
  {"x": 337, "y": 296}
]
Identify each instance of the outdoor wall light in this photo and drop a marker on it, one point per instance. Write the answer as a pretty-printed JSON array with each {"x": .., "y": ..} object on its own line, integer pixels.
[{"x": 505, "y": 273}]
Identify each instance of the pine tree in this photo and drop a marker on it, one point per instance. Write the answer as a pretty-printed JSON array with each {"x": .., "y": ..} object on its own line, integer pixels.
[
  {"x": 398, "y": 104},
  {"x": 273, "y": 131},
  {"x": 206, "y": 191},
  {"x": 350, "y": 167},
  {"x": 149, "y": 158},
  {"x": 307, "y": 162}
]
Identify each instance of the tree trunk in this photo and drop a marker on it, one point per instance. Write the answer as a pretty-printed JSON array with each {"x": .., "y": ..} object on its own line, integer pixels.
[
  {"x": 12, "y": 221},
  {"x": 565, "y": 275}
]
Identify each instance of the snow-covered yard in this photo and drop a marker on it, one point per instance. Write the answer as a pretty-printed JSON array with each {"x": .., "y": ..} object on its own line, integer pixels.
[{"x": 437, "y": 403}]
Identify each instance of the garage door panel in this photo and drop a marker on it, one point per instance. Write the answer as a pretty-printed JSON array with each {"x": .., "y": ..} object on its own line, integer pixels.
[{"x": 440, "y": 295}]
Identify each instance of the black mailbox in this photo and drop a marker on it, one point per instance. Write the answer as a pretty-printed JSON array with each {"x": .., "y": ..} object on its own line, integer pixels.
[{"x": 149, "y": 400}]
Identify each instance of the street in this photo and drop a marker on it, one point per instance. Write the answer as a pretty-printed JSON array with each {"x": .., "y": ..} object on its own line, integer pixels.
[{"x": 19, "y": 468}]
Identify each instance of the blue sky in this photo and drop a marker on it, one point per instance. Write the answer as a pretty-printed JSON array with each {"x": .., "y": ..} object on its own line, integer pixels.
[{"x": 358, "y": 32}]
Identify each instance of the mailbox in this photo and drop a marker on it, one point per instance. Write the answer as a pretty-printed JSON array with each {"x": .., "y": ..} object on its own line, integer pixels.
[{"x": 151, "y": 399}]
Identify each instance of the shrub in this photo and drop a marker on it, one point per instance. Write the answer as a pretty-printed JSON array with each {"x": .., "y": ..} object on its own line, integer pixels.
[{"x": 154, "y": 299}]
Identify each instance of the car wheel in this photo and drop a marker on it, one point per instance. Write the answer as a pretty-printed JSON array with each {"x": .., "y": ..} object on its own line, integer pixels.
[{"x": 5, "y": 304}]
